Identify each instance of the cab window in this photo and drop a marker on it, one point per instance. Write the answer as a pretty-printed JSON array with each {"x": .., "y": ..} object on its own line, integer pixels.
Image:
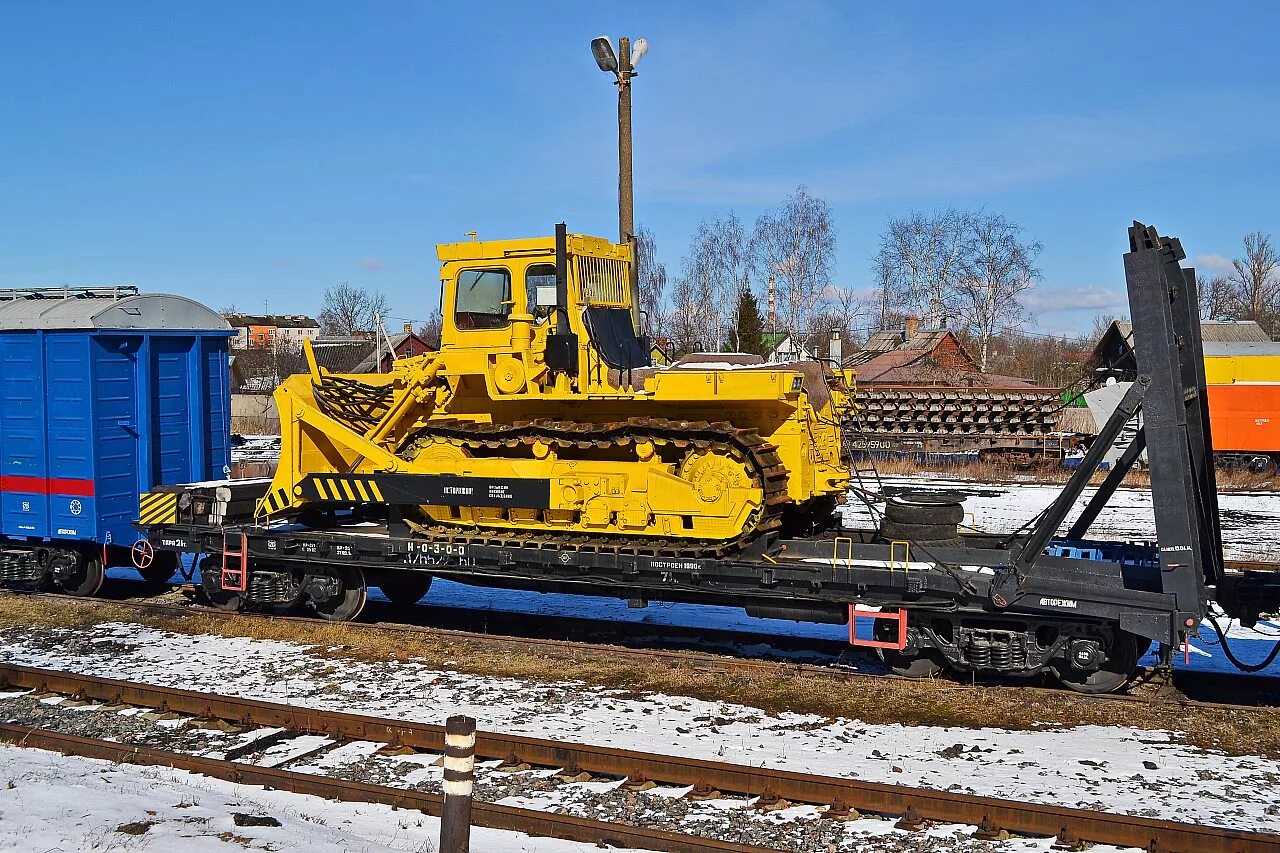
[
  {"x": 538, "y": 275},
  {"x": 483, "y": 300}
]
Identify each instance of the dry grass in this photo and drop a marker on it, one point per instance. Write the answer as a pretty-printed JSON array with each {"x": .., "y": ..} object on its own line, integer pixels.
[
  {"x": 1243, "y": 732},
  {"x": 1053, "y": 474}
]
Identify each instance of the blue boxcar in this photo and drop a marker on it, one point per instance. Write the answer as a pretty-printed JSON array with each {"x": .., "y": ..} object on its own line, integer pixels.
[{"x": 103, "y": 395}]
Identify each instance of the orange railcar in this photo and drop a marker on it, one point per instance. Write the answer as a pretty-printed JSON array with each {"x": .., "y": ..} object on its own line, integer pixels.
[{"x": 1243, "y": 384}]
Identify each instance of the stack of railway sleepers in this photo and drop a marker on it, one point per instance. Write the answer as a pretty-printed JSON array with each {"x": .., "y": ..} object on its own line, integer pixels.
[
  {"x": 216, "y": 502},
  {"x": 955, "y": 420}
]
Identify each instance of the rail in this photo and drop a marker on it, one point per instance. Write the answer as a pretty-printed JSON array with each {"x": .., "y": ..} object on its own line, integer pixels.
[
  {"x": 914, "y": 804},
  {"x": 488, "y": 815}
]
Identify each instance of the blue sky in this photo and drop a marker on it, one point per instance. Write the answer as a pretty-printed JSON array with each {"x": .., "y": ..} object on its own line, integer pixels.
[{"x": 248, "y": 152}]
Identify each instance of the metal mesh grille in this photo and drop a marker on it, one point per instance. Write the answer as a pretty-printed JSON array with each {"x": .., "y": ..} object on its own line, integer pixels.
[{"x": 603, "y": 281}]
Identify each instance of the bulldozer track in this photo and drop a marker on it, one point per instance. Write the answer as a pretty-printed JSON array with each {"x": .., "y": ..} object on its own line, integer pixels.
[{"x": 768, "y": 473}]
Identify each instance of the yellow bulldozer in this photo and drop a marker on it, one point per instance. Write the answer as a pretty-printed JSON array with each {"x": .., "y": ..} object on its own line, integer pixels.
[{"x": 542, "y": 419}]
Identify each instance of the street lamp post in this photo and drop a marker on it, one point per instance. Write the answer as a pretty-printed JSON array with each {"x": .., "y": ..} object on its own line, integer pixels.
[{"x": 622, "y": 66}]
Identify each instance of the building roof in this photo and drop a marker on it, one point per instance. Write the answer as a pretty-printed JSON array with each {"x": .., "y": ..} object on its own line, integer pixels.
[
  {"x": 896, "y": 339},
  {"x": 1228, "y": 348},
  {"x": 914, "y": 367},
  {"x": 369, "y": 364},
  {"x": 1114, "y": 349},
  {"x": 1211, "y": 330},
  {"x": 280, "y": 321},
  {"x": 103, "y": 308},
  {"x": 341, "y": 355}
]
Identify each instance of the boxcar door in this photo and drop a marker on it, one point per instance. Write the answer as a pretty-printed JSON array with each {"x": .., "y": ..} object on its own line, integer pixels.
[
  {"x": 24, "y": 499},
  {"x": 115, "y": 374},
  {"x": 171, "y": 394}
]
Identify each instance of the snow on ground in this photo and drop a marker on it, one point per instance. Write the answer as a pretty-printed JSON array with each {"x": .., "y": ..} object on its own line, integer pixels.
[
  {"x": 52, "y": 802},
  {"x": 1112, "y": 768},
  {"x": 1250, "y": 520},
  {"x": 255, "y": 448}
]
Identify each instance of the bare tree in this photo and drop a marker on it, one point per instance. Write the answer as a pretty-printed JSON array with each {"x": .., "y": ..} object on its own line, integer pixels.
[
  {"x": 653, "y": 283},
  {"x": 686, "y": 324},
  {"x": 349, "y": 310},
  {"x": 1255, "y": 284},
  {"x": 796, "y": 244},
  {"x": 264, "y": 368},
  {"x": 1215, "y": 297},
  {"x": 713, "y": 275},
  {"x": 998, "y": 269},
  {"x": 430, "y": 330},
  {"x": 843, "y": 313},
  {"x": 921, "y": 260}
]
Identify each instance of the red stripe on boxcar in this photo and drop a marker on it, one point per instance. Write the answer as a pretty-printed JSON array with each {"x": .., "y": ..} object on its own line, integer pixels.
[{"x": 46, "y": 485}]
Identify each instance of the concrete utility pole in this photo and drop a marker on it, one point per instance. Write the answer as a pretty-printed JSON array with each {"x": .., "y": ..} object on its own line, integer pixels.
[
  {"x": 626, "y": 186},
  {"x": 622, "y": 66}
]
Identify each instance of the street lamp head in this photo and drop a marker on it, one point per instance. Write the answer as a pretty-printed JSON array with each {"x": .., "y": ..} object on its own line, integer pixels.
[
  {"x": 602, "y": 49},
  {"x": 638, "y": 49}
]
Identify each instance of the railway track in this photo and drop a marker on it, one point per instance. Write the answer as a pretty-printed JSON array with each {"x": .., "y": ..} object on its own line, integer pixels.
[
  {"x": 844, "y": 798},
  {"x": 1255, "y": 692}
]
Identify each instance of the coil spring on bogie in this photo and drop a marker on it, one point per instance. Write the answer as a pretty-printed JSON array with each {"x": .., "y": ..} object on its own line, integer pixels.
[
  {"x": 272, "y": 587},
  {"x": 995, "y": 650}
]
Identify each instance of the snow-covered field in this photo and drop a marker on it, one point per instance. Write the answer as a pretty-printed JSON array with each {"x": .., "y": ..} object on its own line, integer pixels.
[
  {"x": 51, "y": 802},
  {"x": 1112, "y": 768}
]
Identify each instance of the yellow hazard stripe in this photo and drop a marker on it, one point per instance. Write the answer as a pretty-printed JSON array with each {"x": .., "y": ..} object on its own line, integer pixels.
[
  {"x": 346, "y": 487},
  {"x": 151, "y": 498},
  {"x": 359, "y": 484},
  {"x": 377, "y": 493},
  {"x": 320, "y": 488},
  {"x": 158, "y": 508}
]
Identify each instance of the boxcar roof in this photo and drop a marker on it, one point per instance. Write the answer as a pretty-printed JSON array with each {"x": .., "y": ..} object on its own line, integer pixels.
[{"x": 84, "y": 310}]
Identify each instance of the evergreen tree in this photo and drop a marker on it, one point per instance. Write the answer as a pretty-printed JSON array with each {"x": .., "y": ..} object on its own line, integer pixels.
[{"x": 749, "y": 326}]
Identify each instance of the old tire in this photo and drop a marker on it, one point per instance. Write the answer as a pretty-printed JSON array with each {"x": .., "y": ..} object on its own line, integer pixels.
[
  {"x": 918, "y": 508},
  {"x": 893, "y": 531},
  {"x": 1118, "y": 670},
  {"x": 404, "y": 589}
]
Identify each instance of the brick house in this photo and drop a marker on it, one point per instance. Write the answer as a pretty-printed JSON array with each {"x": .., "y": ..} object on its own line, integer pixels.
[{"x": 915, "y": 356}]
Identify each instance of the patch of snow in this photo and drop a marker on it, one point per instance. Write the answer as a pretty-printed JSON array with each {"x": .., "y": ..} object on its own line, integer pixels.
[
  {"x": 1117, "y": 768},
  {"x": 57, "y": 802}
]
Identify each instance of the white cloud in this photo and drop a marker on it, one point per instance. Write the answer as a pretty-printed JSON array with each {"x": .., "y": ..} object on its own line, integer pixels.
[
  {"x": 1089, "y": 297},
  {"x": 372, "y": 265},
  {"x": 1212, "y": 264}
]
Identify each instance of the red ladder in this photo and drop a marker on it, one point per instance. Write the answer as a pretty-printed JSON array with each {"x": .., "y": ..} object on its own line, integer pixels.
[{"x": 235, "y": 579}]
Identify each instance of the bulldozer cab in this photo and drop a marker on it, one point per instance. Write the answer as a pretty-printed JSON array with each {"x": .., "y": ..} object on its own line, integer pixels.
[{"x": 563, "y": 305}]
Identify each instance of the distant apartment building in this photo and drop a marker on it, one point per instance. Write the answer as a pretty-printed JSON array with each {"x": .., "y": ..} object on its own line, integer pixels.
[{"x": 268, "y": 332}]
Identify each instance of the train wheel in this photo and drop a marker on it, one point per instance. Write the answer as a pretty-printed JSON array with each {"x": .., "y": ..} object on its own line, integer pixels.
[
  {"x": 348, "y": 600},
  {"x": 77, "y": 574},
  {"x": 1117, "y": 671},
  {"x": 211, "y": 585},
  {"x": 404, "y": 589},
  {"x": 924, "y": 665},
  {"x": 161, "y": 569}
]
